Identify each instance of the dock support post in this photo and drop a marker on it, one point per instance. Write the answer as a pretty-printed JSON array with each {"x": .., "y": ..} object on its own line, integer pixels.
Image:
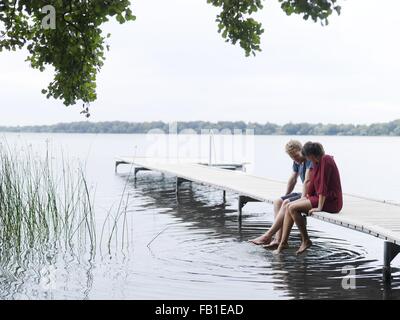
[
  {"x": 241, "y": 204},
  {"x": 391, "y": 250},
  {"x": 242, "y": 201},
  {"x": 136, "y": 169},
  {"x": 117, "y": 163},
  {"x": 178, "y": 183},
  {"x": 223, "y": 196}
]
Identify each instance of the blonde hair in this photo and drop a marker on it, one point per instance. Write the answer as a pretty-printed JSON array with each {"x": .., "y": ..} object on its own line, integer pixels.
[{"x": 293, "y": 145}]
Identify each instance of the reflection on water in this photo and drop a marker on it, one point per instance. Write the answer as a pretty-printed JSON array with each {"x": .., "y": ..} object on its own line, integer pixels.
[
  {"x": 191, "y": 245},
  {"x": 214, "y": 246},
  {"x": 200, "y": 251}
]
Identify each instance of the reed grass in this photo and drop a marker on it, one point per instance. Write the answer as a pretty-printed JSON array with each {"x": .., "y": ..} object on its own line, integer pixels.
[{"x": 42, "y": 205}]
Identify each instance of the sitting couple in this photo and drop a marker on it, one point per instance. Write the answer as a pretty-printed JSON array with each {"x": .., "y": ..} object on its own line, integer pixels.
[{"x": 321, "y": 192}]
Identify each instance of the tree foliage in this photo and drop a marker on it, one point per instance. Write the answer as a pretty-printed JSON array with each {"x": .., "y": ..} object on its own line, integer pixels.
[{"x": 76, "y": 47}]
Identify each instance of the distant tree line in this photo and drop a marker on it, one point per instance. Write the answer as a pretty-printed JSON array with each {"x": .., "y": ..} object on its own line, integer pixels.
[{"x": 376, "y": 129}]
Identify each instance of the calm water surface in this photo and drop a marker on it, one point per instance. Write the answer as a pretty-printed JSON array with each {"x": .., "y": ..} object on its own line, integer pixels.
[{"x": 190, "y": 245}]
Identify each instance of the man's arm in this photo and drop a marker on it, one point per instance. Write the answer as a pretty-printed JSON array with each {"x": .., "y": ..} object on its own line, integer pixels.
[
  {"x": 292, "y": 182},
  {"x": 305, "y": 183}
]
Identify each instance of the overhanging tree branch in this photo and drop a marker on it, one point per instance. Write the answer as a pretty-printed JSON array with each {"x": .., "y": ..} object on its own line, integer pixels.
[{"x": 77, "y": 56}]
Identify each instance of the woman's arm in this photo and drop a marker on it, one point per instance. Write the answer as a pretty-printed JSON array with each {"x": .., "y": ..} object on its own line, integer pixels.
[{"x": 321, "y": 202}]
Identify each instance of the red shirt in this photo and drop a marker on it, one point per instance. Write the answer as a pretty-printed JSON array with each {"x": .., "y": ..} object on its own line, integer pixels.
[{"x": 325, "y": 180}]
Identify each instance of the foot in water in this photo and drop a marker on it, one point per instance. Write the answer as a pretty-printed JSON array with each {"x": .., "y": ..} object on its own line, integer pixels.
[
  {"x": 304, "y": 246},
  {"x": 281, "y": 247},
  {"x": 264, "y": 239},
  {"x": 272, "y": 246}
]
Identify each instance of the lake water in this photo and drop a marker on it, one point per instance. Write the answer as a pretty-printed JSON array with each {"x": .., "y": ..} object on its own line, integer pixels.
[{"x": 190, "y": 246}]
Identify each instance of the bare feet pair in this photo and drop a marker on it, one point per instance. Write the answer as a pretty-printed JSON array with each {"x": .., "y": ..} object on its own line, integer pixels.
[
  {"x": 281, "y": 247},
  {"x": 303, "y": 247},
  {"x": 265, "y": 241},
  {"x": 277, "y": 247},
  {"x": 272, "y": 246},
  {"x": 261, "y": 240}
]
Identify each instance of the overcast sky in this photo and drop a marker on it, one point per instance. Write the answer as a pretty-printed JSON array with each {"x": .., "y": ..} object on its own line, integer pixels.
[{"x": 172, "y": 65}]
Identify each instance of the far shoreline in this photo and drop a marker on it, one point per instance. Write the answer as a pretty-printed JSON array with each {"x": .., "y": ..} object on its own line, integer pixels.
[
  {"x": 388, "y": 129},
  {"x": 218, "y": 134}
]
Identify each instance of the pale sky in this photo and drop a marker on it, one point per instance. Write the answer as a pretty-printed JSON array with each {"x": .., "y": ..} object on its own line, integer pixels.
[{"x": 172, "y": 65}]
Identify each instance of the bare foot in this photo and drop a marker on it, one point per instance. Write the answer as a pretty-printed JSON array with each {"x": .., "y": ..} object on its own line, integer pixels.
[
  {"x": 264, "y": 239},
  {"x": 304, "y": 246},
  {"x": 272, "y": 246},
  {"x": 281, "y": 247}
]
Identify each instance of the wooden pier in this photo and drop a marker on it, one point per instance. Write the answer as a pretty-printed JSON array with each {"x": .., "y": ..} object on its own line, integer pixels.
[{"x": 377, "y": 218}]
